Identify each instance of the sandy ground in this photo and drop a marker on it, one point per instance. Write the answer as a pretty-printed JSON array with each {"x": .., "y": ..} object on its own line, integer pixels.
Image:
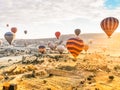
[
  {"x": 64, "y": 79},
  {"x": 95, "y": 70}
]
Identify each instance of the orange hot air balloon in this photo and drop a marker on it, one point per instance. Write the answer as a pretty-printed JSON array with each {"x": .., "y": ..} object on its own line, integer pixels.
[
  {"x": 86, "y": 47},
  {"x": 77, "y": 32},
  {"x": 57, "y": 34},
  {"x": 75, "y": 46},
  {"x": 109, "y": 25},
  {"x": 14, "y": 29},
  {"x": 42, "y": 49},
  {"x": 25, "y": 31},
  {"x": 9, "y": 36}
]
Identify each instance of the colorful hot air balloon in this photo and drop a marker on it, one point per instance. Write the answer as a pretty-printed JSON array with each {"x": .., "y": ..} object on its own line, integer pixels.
[
  {"x": 77, "y": 32},
  {"x": 86, "y": 47},
  {"x": 25, "y": 31},
  {"x": 109, "y": 25},
  {"x": 75, "y": 46},
  {"x": 14, "y": 29},
  {"x": 9, "y": 36},
  {"x": 42, "y": 49},
  {"x": 60, "y": 48},
  {"x": 57, "y": 34}
]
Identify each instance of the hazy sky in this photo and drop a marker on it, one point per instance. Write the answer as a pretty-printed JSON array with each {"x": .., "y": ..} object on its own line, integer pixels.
[{"x": 42, "y": 18}]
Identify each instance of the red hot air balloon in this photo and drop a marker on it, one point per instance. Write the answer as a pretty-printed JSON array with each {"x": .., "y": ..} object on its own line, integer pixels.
[
  {"x": 9, "y": 36},
  {"x": 14, "y": 29},
  {"x": 42, "y": 49},
  {"x": 109, "y": 25},
  {"x": 57, "y": 34},
  {"x": 75, "y": 46}
]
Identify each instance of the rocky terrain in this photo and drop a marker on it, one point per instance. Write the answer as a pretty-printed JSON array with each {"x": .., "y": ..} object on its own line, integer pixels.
[{"x": 96, "y": 69}]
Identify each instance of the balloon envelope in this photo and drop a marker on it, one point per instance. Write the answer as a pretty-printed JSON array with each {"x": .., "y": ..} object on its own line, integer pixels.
[
  {"x": 86, "y": 47},
  {"x": 9, "y": 36},
  {"x": 77, "y": 32},
  {"x": 42, "y": 49},
  {"x": 14, "y": 29},
  {"x": 7, "y": 25},
  {"x": 25, "y": 31},
  {"x": 109, "y": 25},
  {"x": 52, "y": 46},
  {"x": 0, "y": 42},
  {"x": 75, "y": 46},
  {"x": 57, "y": 34},
  {"x": 60, "y": 48},
  {"x": 90, "y": 41}
]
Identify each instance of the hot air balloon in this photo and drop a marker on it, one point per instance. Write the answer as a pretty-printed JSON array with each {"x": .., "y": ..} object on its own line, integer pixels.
[
  {"x": 60, "y": 48},
  {"x": 25, "y": 31},
  {"x": 42, "y": 49},
  {"x": 90, "y": 41},
  {"x": 57, "y": 34},
  {"x": 9, "y": 36},
  {"x": 52, "y": 46},
  {"x": 7, "y": 25},
  {"x": 86, "y": 47},
  {"x": 0, "y": 42},
  {"x": 14, "y": 29},
  {"x": 77, "y": 32},
  {"x": 104, "y": 49},
  {"x": 75, "y": 46},
  {"x": 109, "y": 25}
]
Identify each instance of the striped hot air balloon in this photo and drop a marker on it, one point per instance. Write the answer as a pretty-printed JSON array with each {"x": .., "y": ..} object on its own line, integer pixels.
[
  {"x": 75, "y": 46},
  {"x": 109, "y": 25},
  {"x": 42, "y": 49}
]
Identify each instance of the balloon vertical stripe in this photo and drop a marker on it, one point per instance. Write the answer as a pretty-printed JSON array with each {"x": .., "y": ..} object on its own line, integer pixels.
[{"x": 109, "y": 25}]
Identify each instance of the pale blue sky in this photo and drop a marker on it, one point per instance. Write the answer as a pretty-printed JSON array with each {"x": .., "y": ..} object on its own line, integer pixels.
[
  {"x": 42, "y": 18},
  {"x": 112, "y": 4}
]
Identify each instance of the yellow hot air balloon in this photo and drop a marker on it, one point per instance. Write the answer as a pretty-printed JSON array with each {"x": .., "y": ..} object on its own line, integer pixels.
[
  {"x": 75, "y": 46},
  {"x": 109, "y": 25}
]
